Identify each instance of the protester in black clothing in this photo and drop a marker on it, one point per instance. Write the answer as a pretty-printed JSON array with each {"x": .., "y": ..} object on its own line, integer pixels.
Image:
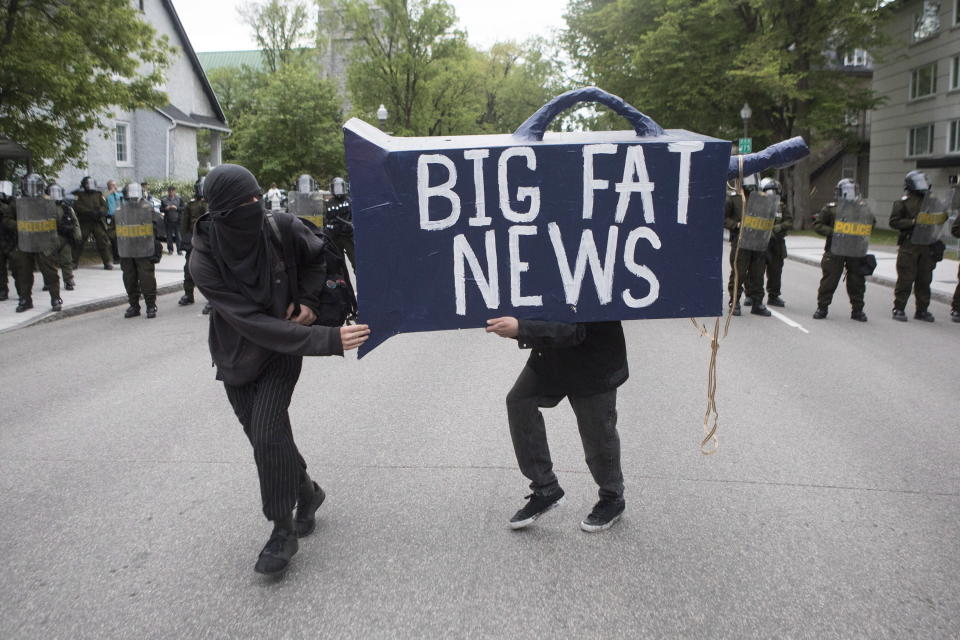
[
  {"x": 172, "y": 208},
  {"x": 585, "y": 363},
  {"x": 257, "y": 338}
]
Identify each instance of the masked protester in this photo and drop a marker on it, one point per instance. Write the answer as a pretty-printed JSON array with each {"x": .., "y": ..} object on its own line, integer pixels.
[
  {"x": 856, "y": 224},
  {"x": 777, "y": 250},
  {"x": 8, "y": 236},
  {"x": 91, "y": 209},
  {"x": 140, "y": 250},
  {"x": 37, "y": 244},
  {"x": 68, "y": 231},
  {"x": 258, "y": 336},
  {"x": 915, "y": 262},
  {"x": 339, "y": 219},
  {"x": 194, "y": 210}
]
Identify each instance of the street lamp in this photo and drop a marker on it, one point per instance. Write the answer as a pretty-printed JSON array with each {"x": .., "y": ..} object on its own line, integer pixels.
[
  {"x": 382, "y": 115},
  {"x": 745, "y": 114}
]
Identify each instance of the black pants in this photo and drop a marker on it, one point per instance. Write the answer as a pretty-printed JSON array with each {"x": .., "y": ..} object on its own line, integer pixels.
[
  {"x": 776, "y": 255},
  {"x": 832, "y": 267},
  {"x": 173, "y": 235},
  {"x": 750, "y": 268},
  {"x": 261, "y": 406},
  {"x": 139, "y": 277},
  {"x": 915, "y": 265},
  {"x": 188, "y": 285},
  {"x": 956, "y": 295},
  {"x": 596, "y": 419}
]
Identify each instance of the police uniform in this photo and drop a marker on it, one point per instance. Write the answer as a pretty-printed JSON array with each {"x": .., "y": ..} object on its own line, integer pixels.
[
  {"x": 91, "y": 209},
  {"x": 833, "y": 266},
  {"x": 68, "y": 234},
  {"x": 777, "y": 253},
  {"x": 24, "y": 264},
  {"x": 8, "y": 244},
  {"x": 139, "y": 278},
  {"x": 749, "y": 264},
  {"x": 194, "y": 209},
  {"x": 915, "y": 263}
]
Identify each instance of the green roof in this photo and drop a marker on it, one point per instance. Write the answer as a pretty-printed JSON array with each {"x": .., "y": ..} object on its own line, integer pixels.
[{"x": 252, "y": 58}]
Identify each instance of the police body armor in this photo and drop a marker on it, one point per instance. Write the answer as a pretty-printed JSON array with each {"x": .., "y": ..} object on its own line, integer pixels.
[
  {"x": 757, "y": 224},
  {"x": 930, "y": 221},
  {"x": 851, "y": 229},
  {"x": 37, "y": 225},
  {"x": 135, "y": 232},
  {"x": 340, "y": 217},
  {"x": 309, "y": 206}
]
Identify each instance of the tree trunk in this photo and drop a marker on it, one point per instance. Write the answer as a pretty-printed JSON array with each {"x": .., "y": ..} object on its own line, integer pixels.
[{"x": 796, "y": 185}]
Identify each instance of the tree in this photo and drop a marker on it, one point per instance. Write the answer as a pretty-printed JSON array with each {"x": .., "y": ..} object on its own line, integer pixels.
[
  {"x": 281, "y": 28},
  {"x": 292, "y": 127},
  {"x": 693, "y": 63},
  {"x": 63, "y": 68}
]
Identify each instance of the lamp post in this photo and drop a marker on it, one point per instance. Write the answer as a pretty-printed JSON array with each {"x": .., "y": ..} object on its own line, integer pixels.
[
  {"x": 382, "y": 116},
  {"x": 745, "y": 114}
]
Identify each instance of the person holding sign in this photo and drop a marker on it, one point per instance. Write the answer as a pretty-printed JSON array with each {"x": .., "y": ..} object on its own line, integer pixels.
[
  {"x": 585, "y": 363},
  {"x": 845, "y": 250},
  {"x": 259, "y": 333},
  {"x": 916, "y": 258}
]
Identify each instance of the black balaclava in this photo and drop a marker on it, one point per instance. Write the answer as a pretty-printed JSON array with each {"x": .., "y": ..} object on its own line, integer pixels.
[{"x": 237, "y": 240}]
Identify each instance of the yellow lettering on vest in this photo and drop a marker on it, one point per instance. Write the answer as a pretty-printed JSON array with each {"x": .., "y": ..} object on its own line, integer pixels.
[
  {"x": 134, "y": 230},
  {"x": 852, "y": 228},
  {"x": 932, "y": 218},
  {"x": 37, "y": 226},
  {"x": 760, "y": 224}
]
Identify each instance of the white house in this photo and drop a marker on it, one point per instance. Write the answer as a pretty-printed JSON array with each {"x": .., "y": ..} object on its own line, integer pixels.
[{"x": 158, "y": 143}]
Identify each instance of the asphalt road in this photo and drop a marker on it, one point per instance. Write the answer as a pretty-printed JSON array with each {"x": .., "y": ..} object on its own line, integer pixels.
[{"x": 832, "y": 510}]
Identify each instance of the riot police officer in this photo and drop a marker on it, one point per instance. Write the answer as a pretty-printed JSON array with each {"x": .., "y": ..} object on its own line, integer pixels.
[
  {"x": 91, "y": 209},
  {"x": 777, "y": 250},
  {"x": 68, "y": 232},
  {"x": 25, "y": 261},
  {"x": 194, "y": 209},
  {"x": 833, "y": 265},
  {"x": 339, "y": 219},
  {"x": 955, "y": 308},
  {"x": 915, "y": 262},
  {"x": 136, "y": 259},
  {"x": 8, "y": 235},
  {"x": 748, "y": 266}
]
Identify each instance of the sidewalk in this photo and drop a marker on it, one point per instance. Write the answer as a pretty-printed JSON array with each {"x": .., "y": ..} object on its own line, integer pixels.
[
  {"x": 809, "y": 250},
  {"x": 96, "y": 289}
]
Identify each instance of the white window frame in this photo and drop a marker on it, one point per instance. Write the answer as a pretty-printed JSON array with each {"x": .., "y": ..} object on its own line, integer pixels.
[
  {"x": 916, "y": 21},
  {"x": 910, "y": 136},
  {"x": 954, "y": 79},
  {"x": 953, "y": 136},
  {"x": 913, "y": 81},
  {"x": 128, "y": 143}
]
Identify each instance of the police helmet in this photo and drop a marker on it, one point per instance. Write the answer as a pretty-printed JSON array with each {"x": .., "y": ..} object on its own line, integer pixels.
[
  {"x": 198, "y": 187},
  {"x": 133, "y": 191},
  {"x": 88, "y": 184},
  {"x": 6, "y": 189},
  {"x": 769, "y": 184},
  {"x": 916, "y": 181},
  {"x": 55, "y": 192},
  {"x": 306, "y": 184},
  {"x": 847, "y": 190},
  {"x": 32, "y": 186},
  {"x": 338, "y": 186}
]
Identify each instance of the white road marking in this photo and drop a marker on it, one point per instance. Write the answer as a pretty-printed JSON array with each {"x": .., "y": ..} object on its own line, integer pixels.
[{"x": 787, "y": 321}]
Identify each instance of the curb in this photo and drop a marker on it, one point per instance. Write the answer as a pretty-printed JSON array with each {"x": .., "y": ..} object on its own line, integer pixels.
[
  {"x": 86, "y": 307},
  {"x": 945, "y": 298}
]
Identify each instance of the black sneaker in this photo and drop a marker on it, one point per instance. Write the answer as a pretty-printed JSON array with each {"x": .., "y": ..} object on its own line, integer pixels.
[
  {"x": 858, "y": 315},
  {"x": 276, "y": 554},
  {"x": 69, "y": 285},
  {"x": 132, "y": 311},
  {"x": 151, "y": 311},
  {"x": 56, "y": 304},
  {"x": 955, "y": 316},
  {"x": 24, "y": 305},
  {"x": 605, "y": 513},
  {"x": 185, "y": 300},
  {"x": 899, "y": 315},
  {"x": 820, "y": 313},
  {"x": 776, "y": 301},
  {"x": 536, "y": 506},
  {"x": 306, "y": 519},
  {"x": 924, "y": 315},
  {"x": 759, "y": 309}
]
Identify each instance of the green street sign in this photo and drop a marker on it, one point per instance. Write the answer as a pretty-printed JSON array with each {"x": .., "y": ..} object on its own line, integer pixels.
[{"x": 746, "y": 145}]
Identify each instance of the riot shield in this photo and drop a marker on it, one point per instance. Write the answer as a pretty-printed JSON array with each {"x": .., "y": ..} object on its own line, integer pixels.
[
  {"x": 930, "y": 221},
  {"x": 36, "y": 225},
  {"x": 852, "y": 229},
  {"x": 309, "y": 206},
  {"x": 135, "y": 235},
  {"x": 757, "y": 224}
]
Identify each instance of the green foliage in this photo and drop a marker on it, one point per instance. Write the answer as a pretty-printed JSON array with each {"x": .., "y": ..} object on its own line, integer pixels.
[
  {"x": 291, "y": 126},
  {"x": 281, "y": 29},
  {"x": 63, "y": 67}
]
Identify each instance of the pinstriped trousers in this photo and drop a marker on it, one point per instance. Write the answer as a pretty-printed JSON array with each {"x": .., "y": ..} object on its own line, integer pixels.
[{"x": 261, "y": 406}]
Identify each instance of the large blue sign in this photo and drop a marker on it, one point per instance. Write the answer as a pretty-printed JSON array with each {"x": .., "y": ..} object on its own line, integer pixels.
[{"x": 571, "y": 227}]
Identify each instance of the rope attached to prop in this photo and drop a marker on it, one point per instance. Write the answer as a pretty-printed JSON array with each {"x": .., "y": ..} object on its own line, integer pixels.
[{"x": 711, "y": 417}]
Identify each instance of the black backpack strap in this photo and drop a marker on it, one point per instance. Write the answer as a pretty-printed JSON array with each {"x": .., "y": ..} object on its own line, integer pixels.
[{"x": 289, "y": 259}]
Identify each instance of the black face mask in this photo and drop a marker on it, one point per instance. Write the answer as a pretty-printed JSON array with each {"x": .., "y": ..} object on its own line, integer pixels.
[{"x": 241, "y": 248}]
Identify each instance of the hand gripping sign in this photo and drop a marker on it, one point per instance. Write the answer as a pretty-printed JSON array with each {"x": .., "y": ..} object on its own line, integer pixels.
[
  {"x": 851, "y": 229},
  {"x": 567, "y": 227},
  {"x": 36, "y": 225},
  {"x": 135, "y": 229},
  {"x": 930, "y": 221}
]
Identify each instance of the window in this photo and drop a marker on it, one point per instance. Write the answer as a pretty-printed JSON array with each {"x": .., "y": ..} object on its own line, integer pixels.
[
  {"x": 856, "y": 58},
  {"x": 956, "y": 13},
  {"x": 926, "y": 24},
  {"x": 923, "y": 81},
  {"x": 953, "y": 139},
  {"x": 921, "y": 140},
  {"x": 123, "y": 144},
  {"x": 955, "y": 72}
]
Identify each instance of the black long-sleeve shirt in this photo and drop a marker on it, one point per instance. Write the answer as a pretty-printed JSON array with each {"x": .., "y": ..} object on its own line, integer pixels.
[{"x": 244, "y": 335}]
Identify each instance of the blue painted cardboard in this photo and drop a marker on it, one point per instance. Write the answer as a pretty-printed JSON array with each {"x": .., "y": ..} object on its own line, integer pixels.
[{"x": 573, "y": 227}]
